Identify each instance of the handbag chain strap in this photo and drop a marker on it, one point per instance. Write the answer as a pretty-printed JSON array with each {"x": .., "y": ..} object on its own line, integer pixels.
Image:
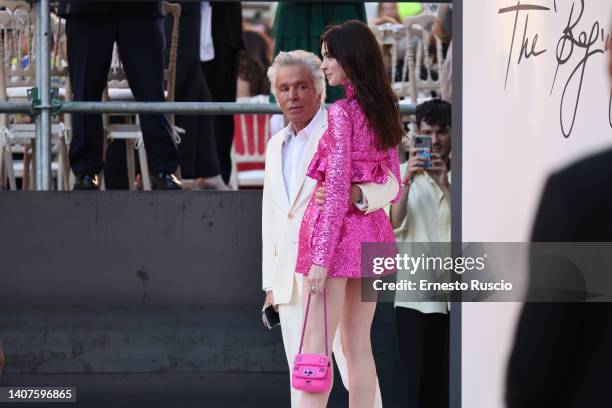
[{"x": 306, "y": 320}]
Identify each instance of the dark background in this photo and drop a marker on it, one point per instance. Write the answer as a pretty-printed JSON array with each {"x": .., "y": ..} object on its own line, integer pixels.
[{"x": 149, "y": 299}]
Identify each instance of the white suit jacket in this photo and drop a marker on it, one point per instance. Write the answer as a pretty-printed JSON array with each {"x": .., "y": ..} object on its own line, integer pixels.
[{"x": 282, "y": 216}]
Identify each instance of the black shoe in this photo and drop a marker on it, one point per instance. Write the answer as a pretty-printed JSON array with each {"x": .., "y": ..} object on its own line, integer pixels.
[
  {"x": 86, "y": 182},
  {"x": 165, "y": 181}
]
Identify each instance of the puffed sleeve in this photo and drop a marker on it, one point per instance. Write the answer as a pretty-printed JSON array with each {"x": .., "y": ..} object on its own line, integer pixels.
[
  {"x": 338, "y": 181},
  {"x": 393, "y": 165}
]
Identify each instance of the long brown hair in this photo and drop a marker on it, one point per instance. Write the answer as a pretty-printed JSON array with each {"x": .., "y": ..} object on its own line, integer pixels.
[
  {"x": 254, "y": 63},
  {"x": 354, "y": 46}
]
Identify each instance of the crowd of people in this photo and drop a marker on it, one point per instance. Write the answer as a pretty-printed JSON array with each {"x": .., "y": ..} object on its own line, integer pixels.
[
  {"x": 325, "y": 194},
  {"x": 310, "y": 176},
  {"x": 333, "y": 177},
  {"x": 421, "y": 213},
  {"x": 333, "y": 180},
  {"x": 222, "y": 57}
]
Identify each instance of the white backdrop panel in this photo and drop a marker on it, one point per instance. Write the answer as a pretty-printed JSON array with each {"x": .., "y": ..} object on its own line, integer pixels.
[{"x": 518, "y": 127}]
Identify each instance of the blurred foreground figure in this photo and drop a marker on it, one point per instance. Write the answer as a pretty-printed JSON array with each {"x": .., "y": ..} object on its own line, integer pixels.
[
  {"x": 562, "y": 355},
  {"x": 1, "y": 359}
]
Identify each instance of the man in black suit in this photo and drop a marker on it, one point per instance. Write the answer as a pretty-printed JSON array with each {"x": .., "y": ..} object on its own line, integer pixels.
[
  {"x": 92, "y": 27},
  {"x": 1, "y": 359},
  {"x": 222, "y": 73},
  {"x": 562, "y": 355},
  {"x": 198, "y": 148}
]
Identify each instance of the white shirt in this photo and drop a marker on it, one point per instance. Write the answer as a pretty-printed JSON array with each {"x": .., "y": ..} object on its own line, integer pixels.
[
  {"x": 207, "y": 49},
  {"x": 428, "y": 219},
  {"x": 293, "y": 154}
]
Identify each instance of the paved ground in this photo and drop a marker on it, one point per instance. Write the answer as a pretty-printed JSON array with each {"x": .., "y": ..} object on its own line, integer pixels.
[{"x": 174, "y": 390}]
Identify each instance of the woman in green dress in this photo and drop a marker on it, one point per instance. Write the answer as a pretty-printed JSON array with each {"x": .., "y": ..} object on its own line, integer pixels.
[{"x": 299, "y": 25}]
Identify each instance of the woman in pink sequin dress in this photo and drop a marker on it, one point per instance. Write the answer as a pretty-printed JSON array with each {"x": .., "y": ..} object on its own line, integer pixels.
[{"x": 359, "y": 146}]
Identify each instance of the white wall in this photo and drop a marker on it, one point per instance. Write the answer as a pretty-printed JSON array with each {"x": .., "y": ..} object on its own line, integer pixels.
[{"x": 512, "y": 139}]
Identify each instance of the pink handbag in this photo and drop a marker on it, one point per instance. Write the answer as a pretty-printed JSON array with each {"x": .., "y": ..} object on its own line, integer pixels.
[{"x": 311, "y": 372}]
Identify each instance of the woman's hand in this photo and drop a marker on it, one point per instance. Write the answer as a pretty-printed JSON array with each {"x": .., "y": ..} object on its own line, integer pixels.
[{"x": 316, "y": 278}]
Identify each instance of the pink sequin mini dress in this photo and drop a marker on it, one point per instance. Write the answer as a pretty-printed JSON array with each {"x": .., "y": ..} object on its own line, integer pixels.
[{"x": 331, "y": 235}]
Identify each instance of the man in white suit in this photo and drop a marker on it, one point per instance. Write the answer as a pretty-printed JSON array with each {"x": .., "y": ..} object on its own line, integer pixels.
[{"x": 299, "y": 87}]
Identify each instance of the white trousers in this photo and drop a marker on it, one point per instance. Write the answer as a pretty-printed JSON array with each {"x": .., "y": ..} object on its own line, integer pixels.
[{"x": 291, "y": 328}]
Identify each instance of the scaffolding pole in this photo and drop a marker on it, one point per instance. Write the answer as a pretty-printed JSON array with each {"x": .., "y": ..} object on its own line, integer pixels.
[
  {"x": 16, "y": 107},
  {"x": 193, "y": 108},
  {"x": 43, "y": 82}
]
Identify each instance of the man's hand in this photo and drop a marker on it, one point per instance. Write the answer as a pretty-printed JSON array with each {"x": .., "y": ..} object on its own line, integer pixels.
[
  {"x": 316, "y": 278},
  {"x": 269, "y": 300},
  {"x": 438, "y": 171},
  {"x": 356, "y": 194},
  {"x": 416, "y": 163}
]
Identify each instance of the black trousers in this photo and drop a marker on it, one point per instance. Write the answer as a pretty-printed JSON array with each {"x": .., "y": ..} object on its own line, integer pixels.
[
  {"x": 222, "y": 75},
  {"x": 141, "y": 45},
  {"x": 198, "y": 147},
  {"x": 424, "y": 347}
]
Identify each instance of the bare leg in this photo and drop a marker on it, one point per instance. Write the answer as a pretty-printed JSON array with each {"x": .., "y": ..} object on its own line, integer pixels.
[
  {"x": 315, "y": 335},
  {"x": 340, "y": 360},
  {"x": 355, "y": 327}
]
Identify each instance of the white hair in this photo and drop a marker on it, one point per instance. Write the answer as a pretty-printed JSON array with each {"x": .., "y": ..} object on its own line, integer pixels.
[{"x": 298, "y": 57}]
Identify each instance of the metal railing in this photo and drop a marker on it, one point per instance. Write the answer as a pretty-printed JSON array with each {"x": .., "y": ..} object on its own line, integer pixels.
[
  {"x": 43, "y": 108},
  {"x": 43, "y": 82},
  {"x": 192, "y": 108}
]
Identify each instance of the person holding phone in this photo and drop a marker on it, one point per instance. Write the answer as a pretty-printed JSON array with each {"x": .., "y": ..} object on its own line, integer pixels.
[
  {"x": 359, "y": 146},
  {"x": 422, "y": 215}
]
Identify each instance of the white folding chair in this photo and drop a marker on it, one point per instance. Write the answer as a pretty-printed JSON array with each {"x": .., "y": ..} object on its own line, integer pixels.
[
  {"x": 17, "y": 76},
  {"x": 418, "y": 29},
  {"x": 390, "y": 38}
]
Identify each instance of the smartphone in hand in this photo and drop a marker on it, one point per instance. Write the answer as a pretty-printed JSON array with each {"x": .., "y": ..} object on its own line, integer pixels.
[
  {"x": 270, "y": 317},
  {"x": 424, "y": 143}
]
